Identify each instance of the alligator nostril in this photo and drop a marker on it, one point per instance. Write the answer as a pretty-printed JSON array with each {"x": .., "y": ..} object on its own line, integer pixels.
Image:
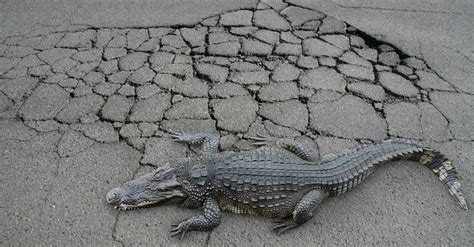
[{"x": 114, "y": 196}]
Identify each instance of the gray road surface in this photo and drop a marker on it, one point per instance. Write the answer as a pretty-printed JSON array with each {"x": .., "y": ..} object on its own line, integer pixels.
[{"x": 89, "y": 89}]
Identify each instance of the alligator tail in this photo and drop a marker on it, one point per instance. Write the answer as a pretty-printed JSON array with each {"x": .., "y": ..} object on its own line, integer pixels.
[{"x": 444, "y": 170}]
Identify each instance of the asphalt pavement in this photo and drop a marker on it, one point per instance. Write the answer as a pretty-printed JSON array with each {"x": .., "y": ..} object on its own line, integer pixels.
[{"x": 90, "y": 89}]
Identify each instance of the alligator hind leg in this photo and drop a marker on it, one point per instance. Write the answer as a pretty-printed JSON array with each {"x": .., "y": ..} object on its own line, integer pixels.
[
  {"x": 302, "y": 213},
  {"x": 291, "y": 145},
  {"x": 206, "y": 222},
  {"x": 210, "y": 142}
]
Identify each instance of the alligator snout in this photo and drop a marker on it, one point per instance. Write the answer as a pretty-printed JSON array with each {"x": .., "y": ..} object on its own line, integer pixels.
[{"x": 114, "y": 196}]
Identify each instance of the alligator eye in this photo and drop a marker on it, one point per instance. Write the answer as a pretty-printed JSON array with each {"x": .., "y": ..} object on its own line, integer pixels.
[{"x": 114, "y": 196}]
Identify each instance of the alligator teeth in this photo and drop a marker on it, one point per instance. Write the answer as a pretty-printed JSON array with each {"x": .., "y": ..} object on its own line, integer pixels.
[{"x": 125, "y": 207}]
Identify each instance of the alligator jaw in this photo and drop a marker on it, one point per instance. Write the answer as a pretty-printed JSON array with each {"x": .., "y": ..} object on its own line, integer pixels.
[{"x": 143, "y": 204}]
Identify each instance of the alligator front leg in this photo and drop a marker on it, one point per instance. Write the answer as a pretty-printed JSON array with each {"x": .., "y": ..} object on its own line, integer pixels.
[
  {"x": 291, "y": 145},
  {"x": 206, "y": 222},
  {"x": 210, "y": 142},
  {"x": 302, "y": 212}
]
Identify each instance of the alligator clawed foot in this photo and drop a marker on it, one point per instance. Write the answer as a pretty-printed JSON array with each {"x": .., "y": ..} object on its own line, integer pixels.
[
  {"x": 179, "y": 229},
  {"x": 261, "y": 140},
  {"x": 176, "y": 135},
  {"x": 283, "y": 225},
  {"x": 181, "y": 136}
]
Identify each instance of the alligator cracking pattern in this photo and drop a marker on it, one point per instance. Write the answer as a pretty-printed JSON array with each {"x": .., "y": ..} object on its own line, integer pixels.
[{"x": 236, "y": 73}]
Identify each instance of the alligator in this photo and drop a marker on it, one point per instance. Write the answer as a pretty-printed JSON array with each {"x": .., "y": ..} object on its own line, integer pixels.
[{"x": 281, "y": 179}]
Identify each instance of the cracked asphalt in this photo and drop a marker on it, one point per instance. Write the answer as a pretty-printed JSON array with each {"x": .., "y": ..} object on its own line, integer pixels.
[{"x": 87, "y": 98}]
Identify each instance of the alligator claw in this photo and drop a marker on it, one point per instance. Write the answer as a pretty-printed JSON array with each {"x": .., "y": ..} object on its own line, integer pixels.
[
  {"x": 259, "y": 143},
  {"x": 261, "y": 140},
  {"x": 173, "y": 132},
  {"x": 284, "y": 225},
  {"x": 260, "y": 137},
  {"x": 178, "y": 136},
  {"x": 179, "y": 229}
]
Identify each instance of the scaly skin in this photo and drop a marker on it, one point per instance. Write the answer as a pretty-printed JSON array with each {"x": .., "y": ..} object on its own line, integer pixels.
[{"x": 282, "y": 179}]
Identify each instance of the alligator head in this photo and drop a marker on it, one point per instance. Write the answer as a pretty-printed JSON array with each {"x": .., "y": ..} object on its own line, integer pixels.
[{"x": 150, "y": 189}]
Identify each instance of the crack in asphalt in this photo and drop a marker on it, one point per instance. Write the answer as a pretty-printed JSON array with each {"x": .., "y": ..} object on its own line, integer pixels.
[
  {"x": 436, "y": 72},
  {"x": 114, "y": 229},
  {"x": 117, "y": 215},
  {"x": 208, "y": 239},
  {"x": 462, "y": 54}
]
